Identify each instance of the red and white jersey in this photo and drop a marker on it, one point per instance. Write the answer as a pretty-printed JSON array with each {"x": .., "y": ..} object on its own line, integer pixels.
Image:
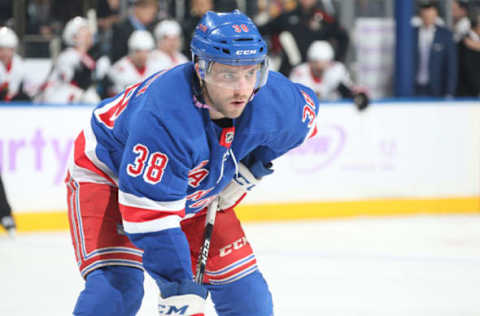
[
  {"x": 325, "y": 87},
  {"x": 62, "y": 86},
  {"x": 124, "y": 73},
  {"x": 159, "y": 60},
  {"x": 68, "y": 62},
  {"x": 11, "y": 76}
]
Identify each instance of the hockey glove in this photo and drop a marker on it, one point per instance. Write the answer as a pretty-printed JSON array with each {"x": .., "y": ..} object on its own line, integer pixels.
[
  {"x": 361, "y": 101},
  {"x": 245, "y": 181},
  {"x": 185, "y": 305},
  {"x": 184, "y": 298}
]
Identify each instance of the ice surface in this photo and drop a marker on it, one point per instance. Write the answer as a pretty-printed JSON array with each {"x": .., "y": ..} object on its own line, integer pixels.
[{"x": 423, "y": 265}]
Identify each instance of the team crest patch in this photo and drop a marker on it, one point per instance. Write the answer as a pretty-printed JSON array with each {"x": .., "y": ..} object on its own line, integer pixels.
[{"x": 227, "y": 136}]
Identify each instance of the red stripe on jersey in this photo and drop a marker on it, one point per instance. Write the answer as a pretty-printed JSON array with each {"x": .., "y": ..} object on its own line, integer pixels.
[
  {"x": 139, "y": 215},
  {"x": 83, "y": 161},
  {"x": 232, "y": 272},
  {"x": 313, "y": 133}
]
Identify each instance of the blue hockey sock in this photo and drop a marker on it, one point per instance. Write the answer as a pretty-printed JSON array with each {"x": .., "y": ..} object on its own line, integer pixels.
[
  {"x": 112, "y": 290},
  {"x": 247, "y": 296}
]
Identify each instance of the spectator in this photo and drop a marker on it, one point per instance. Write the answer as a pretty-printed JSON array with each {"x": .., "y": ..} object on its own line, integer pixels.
[
  {"x": 435, "y": 55},
  {"x": 12, "y": 69},
  {"x": 6, "y": 219},
  {"x": 64, "y": 11},
  {"x": 141, "y": 17},
  {"x": 225, "y": 5},
  {"x": 6, "y": 12},
  {"x": 197, "y": 9},
  {"x": 39, "y": 17},
  {"x": 305, "y": 24},
  {"x": 40, "y": 23},
  {"x": 108, "y": 13},
  {"x": 169, "y": 40},
  {"x": 461, "y": 23},
  {"x": 132, "y": 68},
  {"x": 469, "y": 60},
  {"x": 329, "y": 79},
  {"x": 72, "y": 74}
]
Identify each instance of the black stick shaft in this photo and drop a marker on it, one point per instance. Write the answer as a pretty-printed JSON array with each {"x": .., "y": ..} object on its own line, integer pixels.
[{"x": 207, "y": 236}]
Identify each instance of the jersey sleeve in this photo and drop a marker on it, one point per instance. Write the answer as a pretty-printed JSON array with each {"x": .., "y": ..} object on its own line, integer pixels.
[
  {"x": 297, "y": 122},
  {"x": 152, "y": 187},
  {"x": 65, "y": 65},
  {"x": 153, "y": 176}
]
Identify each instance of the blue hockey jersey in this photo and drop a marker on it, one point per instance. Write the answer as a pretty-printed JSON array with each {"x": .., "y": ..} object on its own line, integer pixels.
[{"x": 157, "y": 143}]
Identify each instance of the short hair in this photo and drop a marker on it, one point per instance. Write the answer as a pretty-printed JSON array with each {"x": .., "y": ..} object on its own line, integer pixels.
[
  {"x": 464, "y": 4},
  {"x": 143, "y": 3},
  {"x": 474, "y": 17},
  {"x": 426, "y": 4}
]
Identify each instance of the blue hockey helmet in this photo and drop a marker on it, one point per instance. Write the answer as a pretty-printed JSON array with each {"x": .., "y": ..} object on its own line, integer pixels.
[{"x": 231, "y": 39}]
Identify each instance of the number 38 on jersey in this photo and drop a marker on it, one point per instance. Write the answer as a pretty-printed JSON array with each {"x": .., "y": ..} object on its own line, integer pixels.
[{"x": 151, "y": 165}]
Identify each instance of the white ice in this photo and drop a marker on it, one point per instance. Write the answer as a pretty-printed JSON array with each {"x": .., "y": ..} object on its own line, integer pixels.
[{"x": 416, "y": 266}]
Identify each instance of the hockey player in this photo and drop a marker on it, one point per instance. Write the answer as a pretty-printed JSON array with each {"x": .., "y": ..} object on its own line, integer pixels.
[
  {"x": 72, "y": 75},
  {"x": 169, "y": 38},
  {"x": 132, "y": 68},
  {"x": 12, "y": 71},
  {"x": 153, "y": 158},
  {"x": 328, "y": 78},
  {"x": 6, "y": 219}
]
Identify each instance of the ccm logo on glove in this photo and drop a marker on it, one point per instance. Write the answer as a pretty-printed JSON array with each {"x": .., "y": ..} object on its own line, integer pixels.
[
  {"x": 172, "y": 310},
  {"x": 186, "y": 305}
]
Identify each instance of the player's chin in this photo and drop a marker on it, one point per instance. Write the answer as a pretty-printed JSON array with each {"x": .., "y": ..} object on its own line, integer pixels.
[{"x": 235, "y": 110}]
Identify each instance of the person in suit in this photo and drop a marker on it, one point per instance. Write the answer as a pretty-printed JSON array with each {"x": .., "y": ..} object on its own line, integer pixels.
[
  {"x": 141, "y": 17},
  {"x": 435, "y": 55}
]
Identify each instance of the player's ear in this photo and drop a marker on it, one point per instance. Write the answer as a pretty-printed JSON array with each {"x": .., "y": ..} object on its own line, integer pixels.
[{"x": 197, "y": 72}]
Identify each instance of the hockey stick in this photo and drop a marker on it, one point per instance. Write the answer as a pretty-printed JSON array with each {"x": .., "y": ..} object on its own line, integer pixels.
[
  {"x": 207, "y": 236},
  {"x": 290, "y": 47}
]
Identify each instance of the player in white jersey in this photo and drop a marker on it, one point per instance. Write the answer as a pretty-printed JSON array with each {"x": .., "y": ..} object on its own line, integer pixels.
[
  {"x": 132, "y": 68},
  {"x": 12, "y": 71},
  {"x": 71, "y": 78},
  {"x": 168, "y": 35},
  {"x": 328, "y": 78}
]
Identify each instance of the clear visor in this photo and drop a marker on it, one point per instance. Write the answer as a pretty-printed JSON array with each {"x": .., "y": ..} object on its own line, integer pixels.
[{"x": 246, "y": 77}]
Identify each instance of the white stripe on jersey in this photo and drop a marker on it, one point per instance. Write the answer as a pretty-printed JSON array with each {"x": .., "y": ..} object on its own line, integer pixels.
[
  {"x": 156, "y": 225},
  {"x": 85, "y": 175},
  {"x": 131, "y": 200},
  {"x": 90, "y": 146}
]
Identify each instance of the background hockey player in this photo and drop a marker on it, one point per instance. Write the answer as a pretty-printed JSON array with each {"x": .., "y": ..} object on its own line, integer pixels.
[
  {"x": 71, "y": 78},
  {"x": 154, "y": 157},
  {"x": 132, "y": 68},
  {"x": 12, "y": 70},
  {"x": 169, "y": 41},
  {"x": 328, "y": 78},
  {"x": 6, "y": 219}
]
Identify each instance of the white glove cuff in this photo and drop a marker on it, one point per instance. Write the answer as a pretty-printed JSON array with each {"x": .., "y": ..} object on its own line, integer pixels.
[
  {"x": 185, "y": 305},
  {"x": 237, "y": 188}
]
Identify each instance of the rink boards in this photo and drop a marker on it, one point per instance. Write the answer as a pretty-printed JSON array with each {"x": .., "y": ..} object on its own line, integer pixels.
[{"x": 396, "y": 158}]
